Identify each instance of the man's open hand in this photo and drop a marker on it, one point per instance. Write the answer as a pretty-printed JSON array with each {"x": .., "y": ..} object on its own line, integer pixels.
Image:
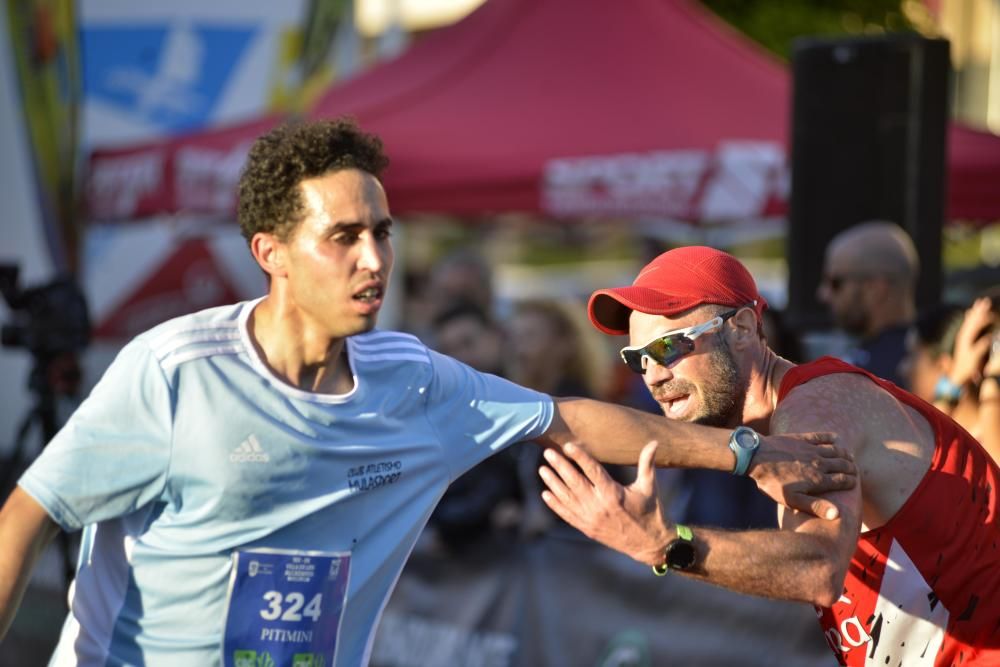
[{"x": 626, "y": 518}]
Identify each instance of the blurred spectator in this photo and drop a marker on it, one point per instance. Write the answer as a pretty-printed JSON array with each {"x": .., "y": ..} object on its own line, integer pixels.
[
  {"x": 477, "y": 504},
  {"x": 464, "y": 330},
  {"x": 869, "y": 279},
  {"x": 550, "y": 351},
  {"x": 782, "y": 339},
  {"x": 462, "y": 275},
  {"x": 968, "y": 389},
  {"x": 416, "y": 315},
  {"x": 929, "y": 345},
  {"x": 989, "y": 400}
]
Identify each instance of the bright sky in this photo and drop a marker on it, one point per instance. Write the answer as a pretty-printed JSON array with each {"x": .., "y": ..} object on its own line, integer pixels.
[{"x": 373, "y": 16}]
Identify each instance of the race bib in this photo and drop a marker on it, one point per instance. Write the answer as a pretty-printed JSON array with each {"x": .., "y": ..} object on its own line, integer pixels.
[{"x": 284, "y": 608}]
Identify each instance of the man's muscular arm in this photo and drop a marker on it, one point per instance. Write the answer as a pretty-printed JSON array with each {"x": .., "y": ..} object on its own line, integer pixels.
[
  {"x": 806, "y": 560},
  {"x": 793, "y": 470},
  {"x": 25, "y": 529}
]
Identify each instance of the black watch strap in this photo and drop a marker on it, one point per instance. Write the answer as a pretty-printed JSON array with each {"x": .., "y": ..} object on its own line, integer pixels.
[{"x": 680, "y": 553}]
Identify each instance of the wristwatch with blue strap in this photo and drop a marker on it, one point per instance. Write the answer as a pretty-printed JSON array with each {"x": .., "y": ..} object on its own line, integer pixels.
[
  {"x": 744, "y": 443},
  {"x": 947, "y": 391}
]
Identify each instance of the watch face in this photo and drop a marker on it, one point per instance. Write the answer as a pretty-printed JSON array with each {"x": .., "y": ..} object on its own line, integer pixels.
[
  {"x": 680, "y": 555},
  {"x": 746, "y": 440}
]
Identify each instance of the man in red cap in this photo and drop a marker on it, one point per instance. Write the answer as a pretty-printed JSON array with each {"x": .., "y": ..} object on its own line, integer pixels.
[{"x": 908, "y": 574}]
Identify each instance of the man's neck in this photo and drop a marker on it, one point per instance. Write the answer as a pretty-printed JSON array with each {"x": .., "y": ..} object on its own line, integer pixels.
[
  {"x": 762, "y": 394},
  {"x": 294, "y": 352}
]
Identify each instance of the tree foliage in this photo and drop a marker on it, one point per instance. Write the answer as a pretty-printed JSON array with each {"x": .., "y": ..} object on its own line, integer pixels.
[{"x": 776, "y": 23}]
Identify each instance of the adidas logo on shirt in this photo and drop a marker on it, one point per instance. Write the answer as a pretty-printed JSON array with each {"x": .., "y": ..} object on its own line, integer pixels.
[{"x": 249, "y": 451}]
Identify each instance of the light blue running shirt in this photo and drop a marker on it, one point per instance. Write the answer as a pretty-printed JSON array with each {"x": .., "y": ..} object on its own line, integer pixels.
[{"x": 189, "y": 449}]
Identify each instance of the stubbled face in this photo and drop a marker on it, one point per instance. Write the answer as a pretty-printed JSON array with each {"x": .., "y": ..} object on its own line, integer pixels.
[
  {"x": 842, "y": 290},
  {"x": 706, "y": 386},
  {"x": 339, "y": 256}
]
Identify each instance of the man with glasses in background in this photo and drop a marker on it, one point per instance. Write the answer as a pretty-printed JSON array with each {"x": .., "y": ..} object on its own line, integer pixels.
[
  {"x": 869, "y": 282},
  {"x": 910, "y": 572}
]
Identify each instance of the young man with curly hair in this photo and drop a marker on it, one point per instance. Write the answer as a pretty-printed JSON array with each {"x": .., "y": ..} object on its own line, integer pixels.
[{"x": 250, "y": 479}]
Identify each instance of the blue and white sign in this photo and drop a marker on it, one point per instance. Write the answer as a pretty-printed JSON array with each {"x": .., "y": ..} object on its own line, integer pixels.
[
  {"x": 170, "y": 76},
  {"x": 284, "y": 608},
  {"x": 153, "y": 70}
]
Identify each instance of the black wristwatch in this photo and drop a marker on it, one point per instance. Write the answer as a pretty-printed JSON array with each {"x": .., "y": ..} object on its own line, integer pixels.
[{"x": 680, "y": 554}]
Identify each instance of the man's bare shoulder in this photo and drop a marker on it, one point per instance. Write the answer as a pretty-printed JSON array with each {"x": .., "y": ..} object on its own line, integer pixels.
[
  {"x": 830, "y": 402},
  {"x": 892, "y": 443}
]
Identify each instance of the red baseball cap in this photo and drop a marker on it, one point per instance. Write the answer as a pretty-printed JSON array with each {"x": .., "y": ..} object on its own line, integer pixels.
[{"x": 674, "y": 282}]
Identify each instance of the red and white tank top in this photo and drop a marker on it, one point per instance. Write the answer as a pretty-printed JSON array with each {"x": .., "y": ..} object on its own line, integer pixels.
[{"x": 923, "y": 590}]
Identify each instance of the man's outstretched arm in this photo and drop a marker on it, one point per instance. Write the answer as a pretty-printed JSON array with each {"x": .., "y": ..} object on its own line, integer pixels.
[
  {"x": 806, "y": 560},
  {"x": 793, "y": 470},
  {"x": 25, "y": 530}
]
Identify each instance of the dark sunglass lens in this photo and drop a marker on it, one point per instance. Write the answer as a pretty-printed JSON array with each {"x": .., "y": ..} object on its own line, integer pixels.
[
  {"x": 669, "y": 349},
  {"x": 633, "y": 359},
  {"x": 664, "y": 351}
]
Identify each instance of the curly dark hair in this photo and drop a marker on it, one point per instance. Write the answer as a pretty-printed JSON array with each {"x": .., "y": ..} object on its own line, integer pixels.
[{"x": 270, "y": 199}]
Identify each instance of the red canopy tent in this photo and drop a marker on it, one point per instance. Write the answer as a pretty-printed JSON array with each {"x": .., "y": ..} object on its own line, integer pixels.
[
  {"x": 559, "y": 107},
  {"x": 482, "y": 116},
  {"x": 973, "y": 174}
]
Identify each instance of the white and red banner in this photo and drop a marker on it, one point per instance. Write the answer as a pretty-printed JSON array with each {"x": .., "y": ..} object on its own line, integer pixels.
[
  {"x": 195, "y": 174},
  {"x": 739, "y": 180}
]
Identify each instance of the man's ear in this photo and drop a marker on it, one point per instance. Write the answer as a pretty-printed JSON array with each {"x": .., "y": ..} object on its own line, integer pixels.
[
  {"x": 270, "y": 253},
  {"x": 743, "y": 327}
]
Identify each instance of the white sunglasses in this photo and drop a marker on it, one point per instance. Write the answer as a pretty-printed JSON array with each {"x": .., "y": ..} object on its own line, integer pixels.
[{"x": 668, "y": 347}]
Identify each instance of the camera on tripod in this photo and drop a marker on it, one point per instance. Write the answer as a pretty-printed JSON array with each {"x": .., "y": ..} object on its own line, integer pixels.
[
  {"x": 48, "y": 320},
  {"x": 51, "y": 322}
]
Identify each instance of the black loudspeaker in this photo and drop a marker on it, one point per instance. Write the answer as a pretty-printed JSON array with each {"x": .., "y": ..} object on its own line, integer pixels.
[{"x": 868, "y": 142}]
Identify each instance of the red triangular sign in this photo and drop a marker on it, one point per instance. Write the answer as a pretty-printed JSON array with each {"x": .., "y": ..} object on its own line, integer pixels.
[{"x": 189, "y": 279}]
